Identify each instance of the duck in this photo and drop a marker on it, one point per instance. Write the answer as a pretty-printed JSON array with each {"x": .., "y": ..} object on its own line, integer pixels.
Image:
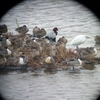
[
  {"x": 12, "y": 60},
  {"x": 97, "y": 39},
  {"x": 2, "y": 38},
  {"x": 62, "y": 39},
  {"x": 22, "y": 29},
  {"x": 38, "y": 33},
  {"x": 4, "y": 41},
  {"x": 52, "y": 36},
  {"x": 5, "y": 51},
  {"x": 87, "y": 53},
  {"x": 61, "y": 48},
  {"x": 35, "y": 53},
  {"x": 53, "y": 53},
  {"x": 71, "y": 51},
  {"x": 78, "y": 40},
  {"x": 74, "y": 62},
  {"x": 94, "y": 50},
  {"x": 3, "y": 29},
  {"x": 23, "y": 60},
  {"x": 3, "y": 60},
  {"x": 36, "y": 30},
  {"x": 7, "y": 34}
]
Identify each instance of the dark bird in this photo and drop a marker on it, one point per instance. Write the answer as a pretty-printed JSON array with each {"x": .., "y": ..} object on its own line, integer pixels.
[
  {"x": 3, "y": 29},
  {"x": 38, "y": 33}
]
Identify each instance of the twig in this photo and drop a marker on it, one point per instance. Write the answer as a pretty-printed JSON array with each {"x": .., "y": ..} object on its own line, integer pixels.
[{"x": 17, "y": 23}]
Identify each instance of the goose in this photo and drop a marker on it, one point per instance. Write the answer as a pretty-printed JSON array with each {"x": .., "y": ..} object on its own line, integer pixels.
[
  {"x": 52, "y": 36},
  {"x": 78, "y": 40}
]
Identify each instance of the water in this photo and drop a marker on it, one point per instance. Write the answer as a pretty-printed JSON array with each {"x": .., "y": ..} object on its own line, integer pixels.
[{"x": 72, "y": 19}]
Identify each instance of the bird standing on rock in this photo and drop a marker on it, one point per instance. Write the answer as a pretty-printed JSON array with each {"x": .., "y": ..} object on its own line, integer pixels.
[
  {"x": 52, "y": 36},
  {"x": 78, "y": 40}
]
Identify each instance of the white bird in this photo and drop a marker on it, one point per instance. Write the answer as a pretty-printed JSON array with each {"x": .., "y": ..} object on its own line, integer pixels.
[
  {"x": 78, "y": 40},
  {"x": 23, "y": 60},
  {"x": 74, "y": 62},
  {"x": 52, "y": 36}
]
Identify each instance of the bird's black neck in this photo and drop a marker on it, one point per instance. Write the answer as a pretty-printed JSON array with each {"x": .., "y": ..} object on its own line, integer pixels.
[{"x": 56, "y": 32}]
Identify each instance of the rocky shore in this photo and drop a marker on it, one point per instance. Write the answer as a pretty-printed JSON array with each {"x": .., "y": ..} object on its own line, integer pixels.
[{"x": 36, "y": 52}]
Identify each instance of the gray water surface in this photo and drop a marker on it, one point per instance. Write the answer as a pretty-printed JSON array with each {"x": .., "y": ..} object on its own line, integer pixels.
[{"x": 72, "y": 19}]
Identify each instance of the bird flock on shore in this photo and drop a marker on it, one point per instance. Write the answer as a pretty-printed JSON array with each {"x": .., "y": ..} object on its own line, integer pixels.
[{"x": 41, "y": 49}]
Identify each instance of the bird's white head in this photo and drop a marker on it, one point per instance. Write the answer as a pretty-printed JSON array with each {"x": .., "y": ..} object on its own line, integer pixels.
[
  {"x": 8, "y": 42},
  {"x": 9, "y": 52},
  {"x": 21, "y": 61},
  {"x": 80, "y": 61}
]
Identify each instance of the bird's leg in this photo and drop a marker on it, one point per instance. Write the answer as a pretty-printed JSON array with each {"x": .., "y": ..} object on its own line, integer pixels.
[
  {"x": 77, "y": 47},
  {"x": 73, "y": 68}
]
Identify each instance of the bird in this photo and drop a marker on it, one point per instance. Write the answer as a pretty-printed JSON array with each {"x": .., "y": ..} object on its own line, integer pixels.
[
  {"x": 36, "y": 30},
  {"x": 52, "y": 36},
  {"x": 49, "y": 60},
  {"x": 74, "y": 62},
  {"x": 5, "y": 51},
  {"x": 4, "y": 41},
  {"x": 2, "y": 38},
  {"x": 3, "y": 29},
  {"x": 41, "y": 33},
  {"x": 38, "y": 33},
  {"x": 87, "y": 53},
  {"x": 23, "y": 60},
  {"x": 3, "y": 60},
  {"x": 78, "y": 40},
  {"x": 97, "y": 39},
  {"x": 94, "y": 50},
  {"x": 62, "y": 39},
  {"x": 22, "y": 30}
]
